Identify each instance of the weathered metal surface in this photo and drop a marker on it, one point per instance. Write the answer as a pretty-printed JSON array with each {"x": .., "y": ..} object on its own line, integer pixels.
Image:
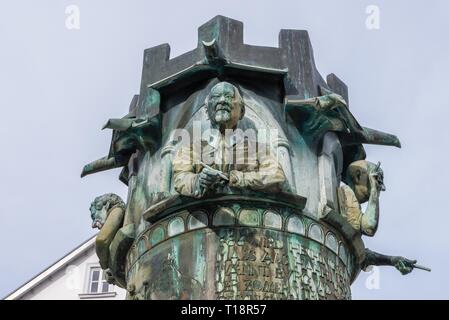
[
  {"x": 225, "y": 230},
  {"x": 230, "y": 250}
]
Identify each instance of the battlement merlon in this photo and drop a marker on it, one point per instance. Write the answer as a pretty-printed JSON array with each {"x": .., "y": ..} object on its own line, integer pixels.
[{"x": 221, "y": 49}]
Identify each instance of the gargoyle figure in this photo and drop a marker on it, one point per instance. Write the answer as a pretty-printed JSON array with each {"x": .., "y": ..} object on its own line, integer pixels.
[
  {"x": 232, "y": 160},
  {"x": 403, "y": 265},
  {"x": 107, "y": 212},
  {"x": 330, "y": 112},
  {"x": 365, "y": 181},
  {"x": 130, "y": 133}
]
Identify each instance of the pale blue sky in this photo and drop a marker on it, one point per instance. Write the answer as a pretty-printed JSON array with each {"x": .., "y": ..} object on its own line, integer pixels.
[{"x": 58, "y": 87}]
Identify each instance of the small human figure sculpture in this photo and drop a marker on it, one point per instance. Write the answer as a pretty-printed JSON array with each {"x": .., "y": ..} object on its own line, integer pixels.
[
  {"x": 365, "y": 181},
  {"x": 403, "y": 265},
  {"x": 227, "y": 159},
  {"x": 107, "y": 213}
]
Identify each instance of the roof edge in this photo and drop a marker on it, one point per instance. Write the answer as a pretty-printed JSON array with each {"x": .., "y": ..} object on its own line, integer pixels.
[{"x": 47, "y": 272}]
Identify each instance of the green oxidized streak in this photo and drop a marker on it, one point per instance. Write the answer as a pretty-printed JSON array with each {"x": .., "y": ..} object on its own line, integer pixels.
[
  {"x": 175, "y": 265},
  {"x": 200, "y": 254}
]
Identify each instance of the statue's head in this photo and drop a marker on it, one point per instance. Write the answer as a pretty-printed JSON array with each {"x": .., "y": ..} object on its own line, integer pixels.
[
  {"x": 101, "y": 206},
  {"x": 225, "y": 106},
  {"x": 358, "y": 178}
]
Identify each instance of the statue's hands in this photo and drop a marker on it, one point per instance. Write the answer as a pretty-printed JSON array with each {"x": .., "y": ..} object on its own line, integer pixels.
[
  {"x": 236, "y": 179},
  {"x": 218, "y": 177},
  {"x": 403, "y": 265},
  {"x": 204, "y": 181},
  {"x": 208, "y": 179},
  {"x": 376, "y": 178}
]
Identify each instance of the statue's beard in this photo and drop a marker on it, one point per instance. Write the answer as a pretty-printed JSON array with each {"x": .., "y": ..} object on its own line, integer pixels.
[{"x": 222, "y": 114}]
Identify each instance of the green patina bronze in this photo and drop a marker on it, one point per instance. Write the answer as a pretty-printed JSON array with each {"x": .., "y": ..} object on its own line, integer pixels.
[{"x": 246, "y": 173}]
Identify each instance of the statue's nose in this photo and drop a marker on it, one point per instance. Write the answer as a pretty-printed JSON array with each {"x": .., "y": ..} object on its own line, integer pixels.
[{"x": 96, "y": 224}]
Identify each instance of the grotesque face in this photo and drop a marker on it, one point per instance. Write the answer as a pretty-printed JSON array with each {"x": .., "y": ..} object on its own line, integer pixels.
[
  {"x": 359, "y": 172},
  {"x": 225, "y": 105},
  {"x": 361, "y": 183},
  {"x": 98, "y": 213}
]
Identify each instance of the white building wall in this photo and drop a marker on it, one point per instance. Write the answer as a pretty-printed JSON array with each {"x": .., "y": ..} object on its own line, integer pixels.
[{"x": 71, "y": 282}]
